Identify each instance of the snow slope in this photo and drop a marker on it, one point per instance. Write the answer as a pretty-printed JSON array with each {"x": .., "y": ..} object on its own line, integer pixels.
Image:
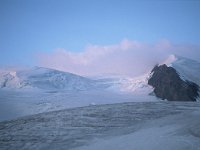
[
  {"x": 43, "y": 78},
  {"x": 17, "y": 103},
  {"x": 116, "y": 83},
  {"x": 128, "y": 126},
  {"x": 162, "y": 134},
  {"x": 9, "y": 80},
  {"x": 36, "y": 90},
  {"x": 188, "y": 69}
]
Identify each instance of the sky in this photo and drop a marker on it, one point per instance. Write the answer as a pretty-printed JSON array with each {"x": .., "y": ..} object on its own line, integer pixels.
[{"x": 80, "y": 36}]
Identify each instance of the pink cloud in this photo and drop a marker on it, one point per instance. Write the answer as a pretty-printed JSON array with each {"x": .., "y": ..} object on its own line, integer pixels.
[{"x": 130, "y": 58}]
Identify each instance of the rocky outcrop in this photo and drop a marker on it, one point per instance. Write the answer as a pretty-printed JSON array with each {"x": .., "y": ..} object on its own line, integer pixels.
[{"x": 168, "y": 85}]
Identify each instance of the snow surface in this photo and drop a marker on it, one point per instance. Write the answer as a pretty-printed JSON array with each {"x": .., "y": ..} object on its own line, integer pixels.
[
  {"x": 43, "y": 78},
  {"x": 128, "y": 126},
  {"x": 14, "y": 104},
  {"x": 9, "y": 80},
  {"x": 37, "y": 90},
  {"x": 188, "y": 69}
]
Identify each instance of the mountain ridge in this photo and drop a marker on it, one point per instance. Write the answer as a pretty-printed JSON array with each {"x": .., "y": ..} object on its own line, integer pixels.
[
  {"x": 168, "y": 85},
  {"x": 51, "y": 79}
]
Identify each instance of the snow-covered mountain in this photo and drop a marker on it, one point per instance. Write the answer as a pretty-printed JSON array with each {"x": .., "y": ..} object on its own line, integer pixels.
[
  {"x": 176, "y": 79},
  {"x": 188, "y": 69},
  {"x": 119, "y": 83},
  {"x": 36, "y": 90},
  {"x": 44, "y": 78},
  {"x": 9, "y": 80},
  {"x": 49, "y": 79}
]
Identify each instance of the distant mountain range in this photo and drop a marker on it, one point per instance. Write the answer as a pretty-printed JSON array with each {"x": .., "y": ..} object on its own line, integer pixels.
[{"x": 50, "y": 79}]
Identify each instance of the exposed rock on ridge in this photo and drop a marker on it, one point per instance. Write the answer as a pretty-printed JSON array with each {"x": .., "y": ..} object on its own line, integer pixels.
[{"x": 168, "y": 85}]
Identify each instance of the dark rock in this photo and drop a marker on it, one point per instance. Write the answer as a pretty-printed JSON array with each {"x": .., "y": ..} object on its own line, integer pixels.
[{"x": 168, "y": 85}]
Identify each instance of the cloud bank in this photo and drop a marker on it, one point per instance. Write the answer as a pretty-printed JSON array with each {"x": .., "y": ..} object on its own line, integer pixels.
[{"x": 128, "y": 57}]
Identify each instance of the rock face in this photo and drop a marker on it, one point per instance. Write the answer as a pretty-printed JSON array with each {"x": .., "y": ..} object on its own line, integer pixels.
[{"x": 168, "y": 85}]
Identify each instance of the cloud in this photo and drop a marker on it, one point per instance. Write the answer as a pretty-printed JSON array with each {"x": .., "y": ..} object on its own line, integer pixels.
[{"x": 128, "y": 57}]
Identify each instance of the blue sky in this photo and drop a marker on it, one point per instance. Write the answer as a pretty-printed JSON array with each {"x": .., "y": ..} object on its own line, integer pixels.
[{"x": 28, "y": 27}]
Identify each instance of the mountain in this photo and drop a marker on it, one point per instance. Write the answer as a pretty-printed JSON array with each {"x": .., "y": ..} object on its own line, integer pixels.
[
  {"x": 36, "y": 90},
  {"x": 44, "y": 78},
  {"x": 188, "y": 69},
  {"x": 179, "y": 81},
  {"x": 9, "y": 79},
  {"x": 168, "y": 85},
  {"x": 117, "y": 83},
  {"x": 50, "y": 79}
]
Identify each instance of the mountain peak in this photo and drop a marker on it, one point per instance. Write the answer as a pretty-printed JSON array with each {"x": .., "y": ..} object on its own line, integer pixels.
[
  {"x": 170, "y": 59},
  {"x": 168, "y": 85}
]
